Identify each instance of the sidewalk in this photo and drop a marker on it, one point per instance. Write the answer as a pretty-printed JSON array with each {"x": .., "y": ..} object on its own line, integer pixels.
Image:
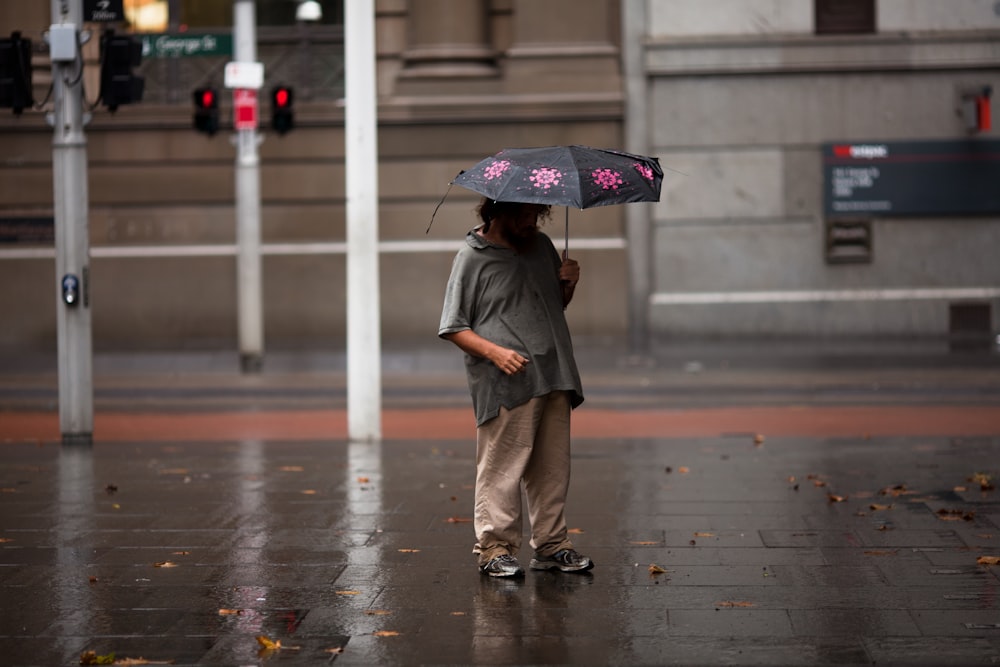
[{"x": 809, "y": 505}]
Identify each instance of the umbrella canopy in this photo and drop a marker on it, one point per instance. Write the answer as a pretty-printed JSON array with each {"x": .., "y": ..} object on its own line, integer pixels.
[{"x": 577, "y": 176}]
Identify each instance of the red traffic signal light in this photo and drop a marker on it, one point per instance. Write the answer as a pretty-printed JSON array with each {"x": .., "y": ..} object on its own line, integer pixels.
[
  {"x": 206, "y": 98},
  {"x": 206, "y": 110},
  {"x": 282, "y": 114},
  {"x": 282, "y": 97}
]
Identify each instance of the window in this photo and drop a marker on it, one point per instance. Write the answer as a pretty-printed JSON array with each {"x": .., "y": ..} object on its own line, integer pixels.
[{"x": 844, "y": 17}]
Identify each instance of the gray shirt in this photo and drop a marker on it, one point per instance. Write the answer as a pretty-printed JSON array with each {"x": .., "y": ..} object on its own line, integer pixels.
[{"x": 513, "y": 299}]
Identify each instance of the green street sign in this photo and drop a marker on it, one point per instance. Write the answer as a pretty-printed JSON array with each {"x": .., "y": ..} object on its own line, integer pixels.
[{"x": 187, "y": 45}]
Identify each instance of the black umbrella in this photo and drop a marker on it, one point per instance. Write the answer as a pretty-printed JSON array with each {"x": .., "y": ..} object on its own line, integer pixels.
[{"x": 577, "y": 176}]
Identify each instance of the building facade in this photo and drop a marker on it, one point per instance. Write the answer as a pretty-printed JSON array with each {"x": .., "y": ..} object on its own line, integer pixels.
[
  {"x": 457, "y": 81},
  {"x": 762, "y": 230},
  {"x": 745, "y": 102}
]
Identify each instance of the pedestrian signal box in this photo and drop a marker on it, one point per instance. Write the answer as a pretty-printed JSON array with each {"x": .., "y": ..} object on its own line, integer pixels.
[
  {"x": 282, "y": 113},
  {"x": 119, "y": 84},
  {"x": 15, "y": 73},
  {"x": 206, "y": 110}
]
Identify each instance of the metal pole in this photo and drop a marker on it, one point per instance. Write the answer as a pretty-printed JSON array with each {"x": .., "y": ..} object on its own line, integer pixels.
[
  {"x": 248, "y": 263},
  {"x": 637, "y": 217},
  {"x": 71, "y": 204},
  {"x": 364, "y": 381}
]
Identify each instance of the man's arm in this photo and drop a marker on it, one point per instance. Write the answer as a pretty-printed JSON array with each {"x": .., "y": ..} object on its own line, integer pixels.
[{"x": 473, "y": 344}]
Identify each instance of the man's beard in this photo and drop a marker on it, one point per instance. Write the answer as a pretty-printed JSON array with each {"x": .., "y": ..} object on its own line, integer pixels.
[{"x": 522, "y": 238}]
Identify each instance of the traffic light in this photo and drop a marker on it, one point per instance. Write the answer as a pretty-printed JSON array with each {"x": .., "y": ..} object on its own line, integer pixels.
[
  {"x": 282, "y": 113},
  {"x": 119, "y": 54},
  {"x": 15, "y": 73},
  {"x": 206, "y": 110}
]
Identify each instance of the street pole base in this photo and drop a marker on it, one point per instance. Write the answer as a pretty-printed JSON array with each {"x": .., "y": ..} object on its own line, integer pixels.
[
  {"x": 251, "y": 363},
  {"x": 77, "y": 439}
]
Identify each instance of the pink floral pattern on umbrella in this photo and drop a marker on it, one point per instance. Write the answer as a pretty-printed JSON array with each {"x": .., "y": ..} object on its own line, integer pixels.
[
  {"x": 644, "y": 171},
  {"x": 607, "y": 179},
  {"x": 496, "y": 170},
  {"x": 545, "y": 177}
]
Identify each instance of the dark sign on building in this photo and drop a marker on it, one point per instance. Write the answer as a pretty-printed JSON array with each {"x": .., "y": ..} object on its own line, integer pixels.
[
  {"x": 917, "y": 178},
  {"x": 103, "y": 11},
  {"x": 33, "y": 230}
]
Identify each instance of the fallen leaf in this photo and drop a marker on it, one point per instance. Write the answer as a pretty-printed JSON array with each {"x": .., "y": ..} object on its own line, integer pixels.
[
  {"x": 348, "y": 592},
  {"x": 93, "y": 579},
  {"x": 727, "y": 603},
  {"x": 408, "y": 551},
  {"x": 180, "y": 553},
  {"x": 883, "y": 528},
  {"x": 5, "y": 540},
  {"x": 336, "y": 650},
  {"x": 791, "y": 479},
  {"x": 818, "y": 483},
  {"x": 8, "y": 489},
  {"x": 833, "y": 498},
  {"x": 984, "y": 481},
  {"x": 308, "y": 492},
  {"x": 91, "y": 658},
  {"x": 575, "y": 531},
  {"x": 988, "y": 560},
  {"x": 656, "y": 569},
  {"x": 165, "y": 563},
  {"x": 377, "y": 612},
  {"x": 960, "y": 489},
  {"x": 895, "y": 491},
  {"x": 363, "y": 480},
  {"x": 458, "y": 519},
  {"x": 956, "y": 515},
  {"x": 386, "y": 633},
  {"x": 291, "y": 469},
  {"x": 230, "y": 612},
  {"x": 704, "y": 534},
  {"x": 758, "y": 440},
  {"x": 458, "y": 613},
  {"x": 875, "y": 507},
  {"x": 267, "y": 643},
  {"x": 684, "y": 470},
  {"x": 984, "y": 536}
]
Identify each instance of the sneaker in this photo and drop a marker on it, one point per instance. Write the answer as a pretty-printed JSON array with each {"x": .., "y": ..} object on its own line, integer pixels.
[
  {"x": 502, "y": 566},
  {"x": 565, "y": 560}
]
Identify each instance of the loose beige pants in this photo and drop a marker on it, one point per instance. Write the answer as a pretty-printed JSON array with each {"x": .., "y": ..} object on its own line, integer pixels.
[{"x": 531, "y": 444}]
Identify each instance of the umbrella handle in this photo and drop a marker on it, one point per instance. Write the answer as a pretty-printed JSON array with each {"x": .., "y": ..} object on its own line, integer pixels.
[{"x": 566, "y": 248}]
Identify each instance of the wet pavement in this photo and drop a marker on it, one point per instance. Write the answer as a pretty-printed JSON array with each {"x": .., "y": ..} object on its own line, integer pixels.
[{"x": 807, "y": 505}]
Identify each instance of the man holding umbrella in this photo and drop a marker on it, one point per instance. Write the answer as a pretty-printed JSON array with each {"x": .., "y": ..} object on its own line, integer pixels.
[{"x": 504, "y": 308}]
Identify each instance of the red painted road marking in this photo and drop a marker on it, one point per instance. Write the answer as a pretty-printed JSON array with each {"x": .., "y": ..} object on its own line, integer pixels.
[{"x": 457, "y": 423}]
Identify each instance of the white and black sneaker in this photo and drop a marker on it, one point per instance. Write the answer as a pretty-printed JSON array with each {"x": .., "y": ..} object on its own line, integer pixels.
[
  {"x": 564, "y": 560},
  {"x": 502, "y": 566}
]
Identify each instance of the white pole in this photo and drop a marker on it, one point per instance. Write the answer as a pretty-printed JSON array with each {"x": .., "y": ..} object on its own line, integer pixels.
[
  {"x": 71, "y": 204},
  {"x": 248, "y": 265},
  {"x": 364, "y": 373}
]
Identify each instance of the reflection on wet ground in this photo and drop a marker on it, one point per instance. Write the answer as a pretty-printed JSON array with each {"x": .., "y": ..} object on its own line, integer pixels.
[{"x": 789, "y": 550}]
